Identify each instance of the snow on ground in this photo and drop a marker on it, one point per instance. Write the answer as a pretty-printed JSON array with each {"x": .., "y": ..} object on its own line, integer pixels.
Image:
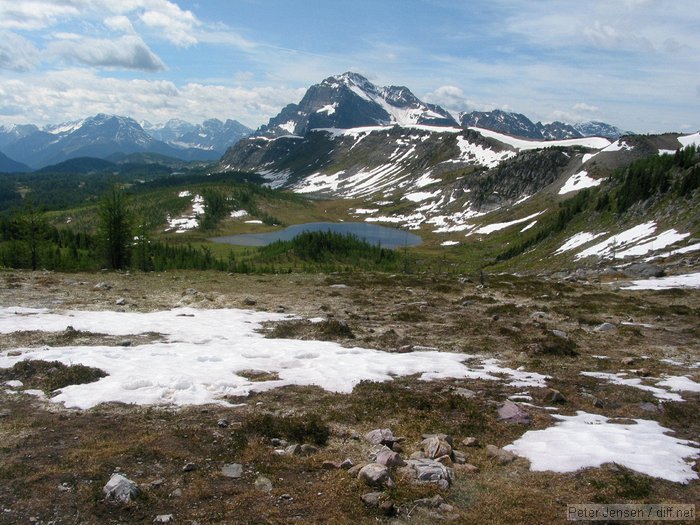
[
  {"x": 203, "y": 351},
  {"x": 237, "y": 214},
  {"x": 629, "y": 242},
  {"x": 619, "y": 145},
  {"x": 490, "y": 228},
  {"x": 579, "y": 181},
  {"x": 578, "y": 240},
  {"x": 189, "y": 221},
  {"x": 634, "y": 382},
  {"x": 477, "y": 153},
  {"x": 590, "y": 440},
  {"x": 419, "y": 196},
  {"x": 275, "y": 179},
  {"x": 449, "y": 243},
  {"x": 687, "y": 140},
  {"x": 524, "y": 144},
  {"x": 685, "y": 249},
  {"x": 689, "y": 280},
  {"x": 680, "y": 384}
]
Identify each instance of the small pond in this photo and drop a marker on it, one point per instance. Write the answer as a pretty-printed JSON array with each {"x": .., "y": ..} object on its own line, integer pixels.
[{"x": 371, "y": 233}]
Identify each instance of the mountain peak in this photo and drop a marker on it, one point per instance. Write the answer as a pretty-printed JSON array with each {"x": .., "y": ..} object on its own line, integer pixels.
[{"x": 350, "y": 100}]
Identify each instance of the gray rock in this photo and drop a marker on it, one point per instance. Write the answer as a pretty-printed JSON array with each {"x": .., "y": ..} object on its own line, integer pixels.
[
  {"x": 381, "y": 436},
  {"x": 308, "y": 449},
  {"x": 375, "y": 475},
  {"x": 445, "y": 437},
  {"x": 373, "y": 499},
  {"x": 513, "y": 413},
  {"x": 177, "y": 493},
  {"x": 263, "y": 484},
  {"x": 500, "y": 455},
  {"x": 347, "y": 464},
  {"x": 643, "y": 269},
  {"x": 605, "y": 327},
  {"x": 355, "y": 469},
  {"x": 104, "y": 285},
  {"x": 163, "y": 518},
  {"x": 556, "y": 396},
  {"x": 433, "y": 502},
  {"x": 121, "y": 489},
  {"x": 430, "y": 471},
  {"x": 223, "y": 423},
  {"x": 435, "y": 447},
  {"x": 559, "y": 333},
  {"x": 189, "y": 467},
  {"x": 293, "y": 449},
  {"x": 470, "y": 442},
  {"x": 628, "y": 361},
  {"x": 330, "y": 465},
  {"x": 649, "y": 407},
  {"x": 464, "y": 392},
  {"x": 389, "y": 458},
  {"x": 232, "y": 470},
  {"x": 120, "y": 302},
  {"x": 459, "y": 457},
  {"x": 249, "y": 301},
  {"x": 277, "y": 442}
]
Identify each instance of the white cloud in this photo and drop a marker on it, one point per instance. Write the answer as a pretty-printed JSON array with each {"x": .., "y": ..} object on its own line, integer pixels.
[
  {"x": 17, "y": 53},
  {"x": 127, "y": 52},
  {"x": 119, "y": 23},
  {"x": 77, "y": 93},
  {"x": 29, "y": 15},
  {"x": 588, "y": 108},
  {"x": 177, "y": 25}
]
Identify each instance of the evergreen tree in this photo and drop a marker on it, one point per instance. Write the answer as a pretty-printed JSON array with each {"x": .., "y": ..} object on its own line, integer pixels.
[{"x": 115, "y": 228}]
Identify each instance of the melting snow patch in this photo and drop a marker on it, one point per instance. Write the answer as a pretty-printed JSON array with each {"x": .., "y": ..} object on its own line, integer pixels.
[
  {"x": 203, "y": 351},
  {"x": 578, "y": 240},
  {"x": 579, "y": 181},
  {"x": 634, "y": 382},
  {"x": 680, "y": 384},
  {"x": 589, "y": 440},
  {"x": 237, "y": 214},
  {"x": 689, "y": 280},
  {"x": 490, "y": 228},
  {"x": 449, "y": 243},
  {"x": 687, "y": 140},
  {"x": 621, "y": 240}
]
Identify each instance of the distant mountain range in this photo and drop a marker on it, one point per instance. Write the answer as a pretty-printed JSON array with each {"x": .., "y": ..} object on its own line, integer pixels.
[
  {"x": 518, "y": 125},
  {"x": 103, "y": 136}
]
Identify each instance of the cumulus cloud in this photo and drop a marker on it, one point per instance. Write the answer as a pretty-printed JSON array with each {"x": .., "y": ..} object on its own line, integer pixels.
[
  {"x": 34, "y": 15},
  {"x": 66, "y": 95},
  {"x": 17, "y": 53},
  {"x": 177, "y": 25},
  {"x": 127, "y": 52},
  {"x": 582, "y": 106},
  {"x": 119, "y": 23}
]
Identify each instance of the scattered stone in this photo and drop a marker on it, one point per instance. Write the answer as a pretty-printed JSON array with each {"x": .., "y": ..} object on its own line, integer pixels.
[
  {"x": 232, "y": 470},
  {"x": 375, "y": 475},
  {"x": 330, "y": 465},
  {"x": 125, "y": 343},
  {"x": 373, "y": 499},
  {"x": 120, "y": 302},
  {"x": 598, "y": 403},
  {"x": 464, "y": 392},
  {"x": 263, "y": 484},
  {"x": 459, "y": 457},
  {"x": 14, "y": 353},
  {"x": 405, "y": 349},
  {"x": 503, "y": 457},
  {"x": 347, "y": 464},
  {"x": 389, "y": 458},
  {"x": 435, "y": 447},
  {"x": 648, "y": 407},
  {"x": 64, "y": 487},
  {"x": 538, "y": 315},
  {"x": 177, "y": 493},
  {"x": 627, "y": 361},
  {"x": 355, "y": 469},
  {"x": 285, "y": 498},
  {"x": 467, "y": 468},
  {"x": 643, "y": 269},
  {"x": 605, "y": 327},
  {"x": 308, "y": 449},
  {"x": 104, "y": 285},
  {"x": 445, "y": 460},
  {"x": 445, "y": 437},
  {"x": 470, "y": 442},
  {"x": 381, "y": 436},
  {"x": 643, "y": 372},
  {"x": 189, "y": 467},
  {"x": 430, "y": 471},
  {"x": 121, "y": 489},
  {"x": 190, "y": 291},
  {"x": 556, "y": 396},
  {"x": 387, "y": 508},
  {"x": 421, "y": 348},
  {"x": 513, "y": 413},
  {"x": 293, "y": 449},
  {"x": 223, "y": 423},
  {"x": 417, "y": 455},
  {"x": 163, "y": 518},
  {"x": 249, "y": 301},
  {"x": 277, "y": 442},
  {"x": 560, "y": 334},
  {"x": 433, "y": 502}
]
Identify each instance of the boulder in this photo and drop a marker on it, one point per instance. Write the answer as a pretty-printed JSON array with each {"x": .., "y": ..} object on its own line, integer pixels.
[
  {"x": 120, "y": 489},
  {"x": 501, "y": 456},
  {"x": 435, "y": 447},
  {"x": 381, "y": 436},
  {"x": 233, "y": 470},
  {"x": 375, "y": 475},
  {"x": 430, "y": 471},
  {"x": 389, "y": 458},
  {"x": 513, "y": 413},
  {"x": 605, "y": 327}
]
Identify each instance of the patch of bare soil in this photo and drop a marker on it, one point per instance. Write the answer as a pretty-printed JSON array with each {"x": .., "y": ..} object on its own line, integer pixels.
[{"x": 55, "y": 462}]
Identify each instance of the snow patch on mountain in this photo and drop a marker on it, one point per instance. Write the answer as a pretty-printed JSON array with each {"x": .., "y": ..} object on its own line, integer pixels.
[{"x": 579, "y": 181}]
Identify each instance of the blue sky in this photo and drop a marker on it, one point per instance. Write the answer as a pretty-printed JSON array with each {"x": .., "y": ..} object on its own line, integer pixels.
[{"x": 632, "y": 63}]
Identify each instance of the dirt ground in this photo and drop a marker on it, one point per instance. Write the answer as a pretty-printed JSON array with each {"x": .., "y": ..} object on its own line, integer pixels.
[{"x": 54, "y": 461}]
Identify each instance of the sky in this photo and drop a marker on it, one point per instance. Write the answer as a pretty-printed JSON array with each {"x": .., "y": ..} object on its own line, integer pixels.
[{"x": 632, "y": 63}]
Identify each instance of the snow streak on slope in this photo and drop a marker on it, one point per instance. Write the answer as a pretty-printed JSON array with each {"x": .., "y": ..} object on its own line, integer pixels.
[
  {"x": 633, "y": 242},
  {"x": 205, "y": 350},
  {"x": 524, "y": 144},
  {"x": 579, "y": 181}
]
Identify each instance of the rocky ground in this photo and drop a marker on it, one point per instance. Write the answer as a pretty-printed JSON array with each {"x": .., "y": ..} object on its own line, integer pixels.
[{"x": 404, "y": 451}]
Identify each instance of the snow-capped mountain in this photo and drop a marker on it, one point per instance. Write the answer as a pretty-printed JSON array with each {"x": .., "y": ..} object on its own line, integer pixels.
[
  {"x": 350, "y": 101},
  {"x": 515, "y": 124},
  {"x": 518, "y": 125},
  {"x": 211, "y": 135},
  {"x": 103, "y": 135}
]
